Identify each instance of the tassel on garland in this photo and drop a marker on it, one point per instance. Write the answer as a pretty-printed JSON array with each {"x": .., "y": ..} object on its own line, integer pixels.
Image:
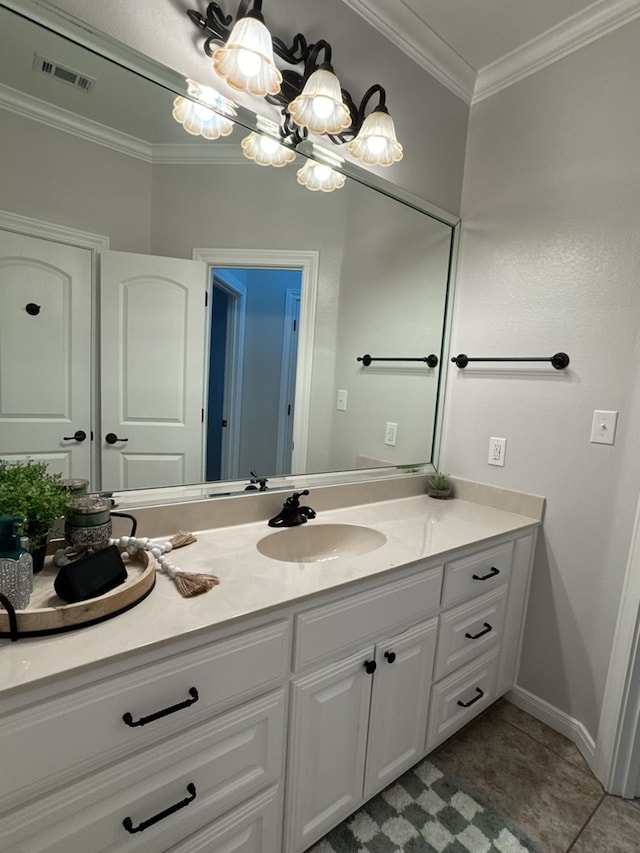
[{"x": 189, "y": 584}]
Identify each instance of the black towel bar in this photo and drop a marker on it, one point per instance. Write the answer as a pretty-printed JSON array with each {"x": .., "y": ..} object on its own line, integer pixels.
[
  {"x": 430, "y": 360},
  {"x": 560, "y": 360}
]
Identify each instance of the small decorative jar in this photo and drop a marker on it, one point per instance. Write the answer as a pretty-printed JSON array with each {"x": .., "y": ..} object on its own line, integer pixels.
[{"x": 88, "y": 522}]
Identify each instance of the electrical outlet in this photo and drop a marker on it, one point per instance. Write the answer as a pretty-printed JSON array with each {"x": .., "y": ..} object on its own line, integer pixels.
[
  {"x": 391, "y": 434},
  {"x": 497, "y": 449},
  {"x": 341, "y": 403}
]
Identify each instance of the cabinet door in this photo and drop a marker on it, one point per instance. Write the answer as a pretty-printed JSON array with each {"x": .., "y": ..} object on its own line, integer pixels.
[
  {"x": 400, "y": 704},
  {"x": 329, "y": 716}
]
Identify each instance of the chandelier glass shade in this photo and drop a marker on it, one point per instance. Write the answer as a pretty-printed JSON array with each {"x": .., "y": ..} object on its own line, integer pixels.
[
  {"x": 204, "y": 116},
  {"x": 266, "y": 151},
  {"x": 246, "y": 60},
  {"x": 318, "y": 176},
  {"x": 320, "y": 107},
  {"x": 376, "y": 143}
]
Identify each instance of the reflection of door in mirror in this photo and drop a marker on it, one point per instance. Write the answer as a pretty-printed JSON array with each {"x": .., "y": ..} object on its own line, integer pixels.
[
  {"x": 45, "y": 353},
  {"x": 252, "y": 372},
  {"x": 153, "y": 321}
]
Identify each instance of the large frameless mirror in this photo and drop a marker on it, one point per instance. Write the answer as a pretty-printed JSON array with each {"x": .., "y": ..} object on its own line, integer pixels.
[{"x": 173, "y": 313}]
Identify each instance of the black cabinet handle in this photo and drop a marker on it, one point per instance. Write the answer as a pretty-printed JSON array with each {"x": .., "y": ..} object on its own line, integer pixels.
[
  {"x": 472, "y": 701},
  {"x": 165, "y": 711},
  {"x": 484, "y": 631},
  {"x": 370, "y": 666},
  {"x": 491, "y": 574},
  {"x": 390, "y": 656},
  {"x": 128, "y": 823},
  {"x": 79, "y": 435},
  {"x": 111, "y": 438}
]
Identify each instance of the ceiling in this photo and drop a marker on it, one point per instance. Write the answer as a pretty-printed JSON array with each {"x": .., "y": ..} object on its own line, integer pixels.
[{"x": 477, "y": 47}]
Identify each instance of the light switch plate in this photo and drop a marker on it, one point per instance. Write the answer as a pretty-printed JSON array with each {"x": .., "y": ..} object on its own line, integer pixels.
[
  {"x": 603, "y": 427},
  {"x": 341, "y": 402}
]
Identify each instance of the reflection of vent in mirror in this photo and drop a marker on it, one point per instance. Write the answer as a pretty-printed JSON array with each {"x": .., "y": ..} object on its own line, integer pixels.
[{"x": 67, "y": 75}]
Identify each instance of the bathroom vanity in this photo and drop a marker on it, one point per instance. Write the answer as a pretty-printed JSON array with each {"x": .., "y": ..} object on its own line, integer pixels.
[{"x": 259, "y": 715}]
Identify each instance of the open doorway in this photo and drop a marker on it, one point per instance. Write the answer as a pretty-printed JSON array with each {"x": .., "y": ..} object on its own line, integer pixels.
[{"x": 254, "y": 323}]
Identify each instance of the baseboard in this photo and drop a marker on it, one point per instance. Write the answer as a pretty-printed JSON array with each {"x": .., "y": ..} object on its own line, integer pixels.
[{"x": 555, "y": 719}]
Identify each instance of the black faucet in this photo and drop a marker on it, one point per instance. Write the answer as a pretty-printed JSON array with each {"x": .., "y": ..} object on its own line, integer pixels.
[
  {"x": 256, "y": 481},
  {"x": 292, "y": 514}
]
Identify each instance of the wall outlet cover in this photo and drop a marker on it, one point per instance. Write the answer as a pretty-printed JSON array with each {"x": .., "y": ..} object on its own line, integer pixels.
[{"x": 497, "y": 450}]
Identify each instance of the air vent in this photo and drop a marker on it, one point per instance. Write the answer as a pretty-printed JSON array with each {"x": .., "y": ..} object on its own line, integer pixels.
[{"x": 60, "y": 72}]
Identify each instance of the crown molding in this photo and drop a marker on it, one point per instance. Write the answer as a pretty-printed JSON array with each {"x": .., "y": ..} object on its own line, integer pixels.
[
  {"x": 61, "y": 119},
  {"x": 216, "y": 153},
  {"x": 414, "y": 37},
  {"x": 401, "y": 26},
  {"x": 576, "y": 32},
  {"x": 32, "y": 108}
]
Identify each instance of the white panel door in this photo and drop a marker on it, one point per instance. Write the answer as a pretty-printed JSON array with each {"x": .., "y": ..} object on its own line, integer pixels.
[
  {"x": 45, "y": 353},
  {"x": 152, "y": 369}
]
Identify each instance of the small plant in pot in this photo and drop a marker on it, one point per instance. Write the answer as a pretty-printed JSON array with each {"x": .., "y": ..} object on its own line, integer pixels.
[
  {"x": 28, "y": 490},
  {"x": 439, "y": 485}
]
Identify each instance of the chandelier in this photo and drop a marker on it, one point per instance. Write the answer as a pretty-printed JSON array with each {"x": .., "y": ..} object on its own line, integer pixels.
[{"x": 303, "y": 86}]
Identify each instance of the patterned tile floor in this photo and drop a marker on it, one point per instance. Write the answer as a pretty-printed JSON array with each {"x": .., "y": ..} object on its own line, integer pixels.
[{"x": 530, "y": 774}]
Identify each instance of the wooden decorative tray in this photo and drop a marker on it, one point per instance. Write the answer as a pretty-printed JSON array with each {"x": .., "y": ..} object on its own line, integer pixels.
[{"x": 49, "y": 614}]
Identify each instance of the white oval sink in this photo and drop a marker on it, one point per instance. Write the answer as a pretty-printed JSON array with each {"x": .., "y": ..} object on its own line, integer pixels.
[{"x": 314, "y": 543}]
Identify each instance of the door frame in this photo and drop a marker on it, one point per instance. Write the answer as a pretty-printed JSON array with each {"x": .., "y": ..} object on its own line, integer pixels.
[
  {"x": 233, "y": 369},
  {"x": 284, "y": 448},
  {"x": 307, "y": 262},
  {"x": 95, "y": 243},
  {"x": 617, "y": 755}
]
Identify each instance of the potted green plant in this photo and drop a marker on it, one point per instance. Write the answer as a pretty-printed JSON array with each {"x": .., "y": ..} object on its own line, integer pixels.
[
  {"x": 439, "y": 485},
  {"x": 27, "y": 489}
]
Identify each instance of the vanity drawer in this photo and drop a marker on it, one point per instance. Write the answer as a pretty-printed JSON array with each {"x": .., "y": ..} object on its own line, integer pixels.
[
  {"x": 476, "y": 574},
  {"x": 255, "y": 827},
  {"x": 203, "y": 773},
  {"x": 325, "y": 630},
  {"x": 461, "y": 696},
  {"x": 77, "y": 732},
  {"x": 469, "y": 630}
]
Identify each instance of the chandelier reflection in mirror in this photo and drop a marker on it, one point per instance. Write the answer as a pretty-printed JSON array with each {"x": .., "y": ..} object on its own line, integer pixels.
[{"x": 306, "y": 90}]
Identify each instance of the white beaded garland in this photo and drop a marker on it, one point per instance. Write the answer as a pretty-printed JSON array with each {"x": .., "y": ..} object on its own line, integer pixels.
[{"x": 132, "y": 545}]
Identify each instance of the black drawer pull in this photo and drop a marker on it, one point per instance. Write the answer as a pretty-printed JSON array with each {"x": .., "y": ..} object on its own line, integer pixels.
[
  {"x": 472, "y": 701},
  {"x": 165, "y": 711},
  {"x": 390, "y": 656},
  {"x": 370, "y": 666},
  {"x": 491, "y": 574},
  {"x": 484, "y": 631},
  {"x": 128, "y": 823}
]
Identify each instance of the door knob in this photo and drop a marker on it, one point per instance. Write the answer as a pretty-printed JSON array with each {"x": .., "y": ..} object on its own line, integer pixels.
[
  {"x": 79, "y": 435},
  {"x": 370, "y": 667},
  {"x": 390, "y": 656},
  {"x": 111, "y": 438}
]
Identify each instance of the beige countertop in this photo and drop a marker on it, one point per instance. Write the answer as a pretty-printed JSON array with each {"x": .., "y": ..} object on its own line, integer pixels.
[{"x": 416, "y": 528}]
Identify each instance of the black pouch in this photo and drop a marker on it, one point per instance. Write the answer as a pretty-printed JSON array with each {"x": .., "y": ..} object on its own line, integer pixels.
[{"x": 92, "y": 576}]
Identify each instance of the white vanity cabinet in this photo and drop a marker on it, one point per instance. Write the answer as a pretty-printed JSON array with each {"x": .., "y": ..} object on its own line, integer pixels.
[
  {"x": 262, "y": 734},
  {"x": 369, "y": 703},
  {"x": 358, "y": 715},
  {"x": 141, "y": 760}
]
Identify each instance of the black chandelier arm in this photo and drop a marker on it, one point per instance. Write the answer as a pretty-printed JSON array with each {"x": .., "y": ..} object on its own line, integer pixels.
[
  {"x": 290, "y": 88},
  {"x": 311, "y": 61},
  {"x": 371, "y": 91},
  {"x": 297, "y": 53}
]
